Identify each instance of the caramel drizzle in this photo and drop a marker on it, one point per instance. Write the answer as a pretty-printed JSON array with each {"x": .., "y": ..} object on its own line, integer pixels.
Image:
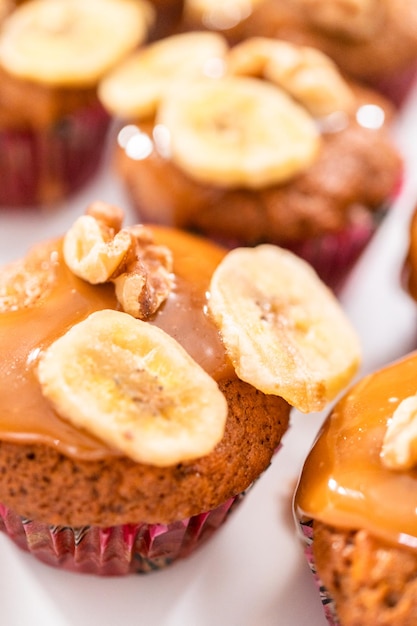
[
  {"x": 344, "y": 481},
  {"x": 25, "y": 331}
]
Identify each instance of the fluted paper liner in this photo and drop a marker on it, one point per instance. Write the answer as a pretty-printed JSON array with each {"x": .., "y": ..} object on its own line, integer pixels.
[
  {"x": 45, "y": 165},
  {"x": 326, "y": 599},
  {"x": 118, "y": 550}
]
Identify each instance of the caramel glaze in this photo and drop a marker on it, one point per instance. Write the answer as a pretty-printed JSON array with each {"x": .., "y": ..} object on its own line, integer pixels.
[
  {"x": 343, "y": 482},
  {"x": 25, "y": 415}
]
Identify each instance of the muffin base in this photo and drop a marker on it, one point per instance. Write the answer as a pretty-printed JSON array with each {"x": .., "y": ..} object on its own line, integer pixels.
[
  {"x": 362, "y": 579},
  {"x": 398, "y": 87},
  {"x": 44, "y": 166},
  {"x": 118, "y": 550}
]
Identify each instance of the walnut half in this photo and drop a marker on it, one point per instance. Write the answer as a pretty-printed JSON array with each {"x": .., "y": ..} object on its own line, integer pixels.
[{"x": 98, "y": 250}]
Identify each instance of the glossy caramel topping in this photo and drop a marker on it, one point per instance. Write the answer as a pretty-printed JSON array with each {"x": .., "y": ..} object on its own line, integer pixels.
[
  {"x": 62, "y": 300},
  {"x": 344, "y": 482}
]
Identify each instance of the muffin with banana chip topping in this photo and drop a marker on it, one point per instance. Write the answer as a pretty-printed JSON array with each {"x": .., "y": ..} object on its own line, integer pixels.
[
  {"x": 356, "y": 501},
  {"x": 149, "y": 385},
  {"x": 263, "y": 142},
  {"x": 373, "y": 41},
  {"x": 52, "y": 125}
]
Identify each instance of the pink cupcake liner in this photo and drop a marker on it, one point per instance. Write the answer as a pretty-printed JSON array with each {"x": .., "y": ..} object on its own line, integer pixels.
[
  {"x": 118, "y": 550},
  {"x": 333, "y": 255},
  {"x": 397, "y": 87},
  {"x": 329, "y": 607},
  {"x": 45, "y": 166}
]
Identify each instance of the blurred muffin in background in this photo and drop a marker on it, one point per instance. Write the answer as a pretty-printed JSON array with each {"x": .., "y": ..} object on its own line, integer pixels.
[
  {"x": 52, "y": 125},
  {"x": 261, "y": 142},
  {"x": 374, "y": 41}
]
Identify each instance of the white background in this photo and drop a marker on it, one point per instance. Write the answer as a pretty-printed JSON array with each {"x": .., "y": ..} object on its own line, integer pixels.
[{"x": 253, "y": 572}]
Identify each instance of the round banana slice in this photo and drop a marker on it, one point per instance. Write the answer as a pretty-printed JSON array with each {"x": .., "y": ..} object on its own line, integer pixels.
[
  {"x": 308, "y": 75},
  {"x": 284, "y": 330},
  {"x": 238, "y": 131},
  {"x": 136, "y": 86},
  {"x": 72, "y": 42},
  {"x": 133, "y": 386}
]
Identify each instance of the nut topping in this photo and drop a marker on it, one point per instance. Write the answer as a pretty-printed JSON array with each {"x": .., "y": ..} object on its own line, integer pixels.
[
  {"x": 98, "y": 250},
  {"x": 399, "y": 448}
]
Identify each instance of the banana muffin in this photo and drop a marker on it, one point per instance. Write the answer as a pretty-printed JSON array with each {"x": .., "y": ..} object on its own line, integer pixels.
[
  {"x": 373, "y": 41},
  {"x": 52, "y": 126},
  {"x": 147, "y": 381},
  {"x": 357, "y": 505},
  {"x": 261, "y": 142}
]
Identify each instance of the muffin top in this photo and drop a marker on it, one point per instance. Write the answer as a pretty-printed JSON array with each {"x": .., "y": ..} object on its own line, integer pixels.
[
  {"x": 240, "y": 117},
  {"x": 66, "y": 295},
  {"x": 52, "y": 54},
  {"x": 43, "y": 297},
  {"x": 361, "y": 472},
  {"x": 264, "y": 125},
  {"x": 71, "y": 43}
]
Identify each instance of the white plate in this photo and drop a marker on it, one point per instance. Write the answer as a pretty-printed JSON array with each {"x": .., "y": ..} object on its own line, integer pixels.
[{"x": 253, "y": 573}]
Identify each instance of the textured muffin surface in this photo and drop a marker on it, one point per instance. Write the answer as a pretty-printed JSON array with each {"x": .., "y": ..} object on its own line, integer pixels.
[
  {"x": 371, "y": 582},
  {"x": 41, "y": 483}
]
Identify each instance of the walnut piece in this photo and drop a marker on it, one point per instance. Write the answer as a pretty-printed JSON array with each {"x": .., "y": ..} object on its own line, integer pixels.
[
  {"x": 98, "y": 250},
  {"x": 399, "y": 448},
  {"x": 147, "y": 280}
]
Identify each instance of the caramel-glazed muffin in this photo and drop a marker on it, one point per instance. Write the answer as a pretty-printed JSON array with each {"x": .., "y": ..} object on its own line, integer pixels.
[
  {"x": 55, "y": 473},
  {"x": 356, "y": 502},
  {"x": 125, "y": 410}
]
